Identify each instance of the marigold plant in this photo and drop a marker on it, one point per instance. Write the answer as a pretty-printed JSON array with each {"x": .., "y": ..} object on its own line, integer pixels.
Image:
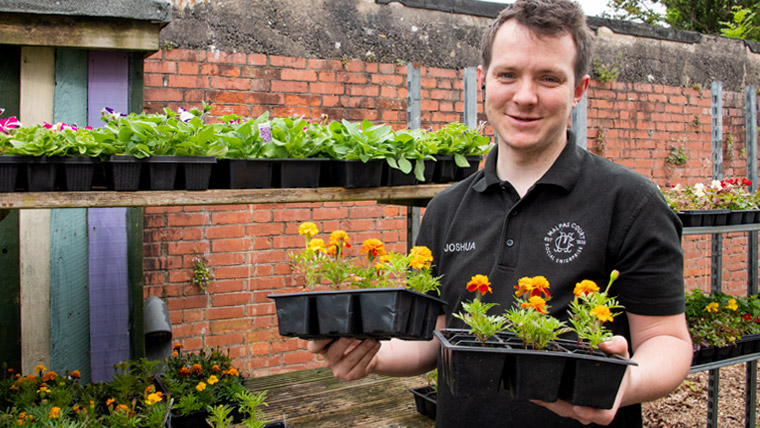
[
  {"x": 529, "y": 319},
  {"x": 591, "y": 309},
  {"x": 475, "y": 315}
]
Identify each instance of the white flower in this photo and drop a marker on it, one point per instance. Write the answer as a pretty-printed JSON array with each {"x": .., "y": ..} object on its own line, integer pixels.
[
  {"x": 716, "y": 184},
  {"x": 699, "y": 189},
  {"x": 185, "y": 115}
]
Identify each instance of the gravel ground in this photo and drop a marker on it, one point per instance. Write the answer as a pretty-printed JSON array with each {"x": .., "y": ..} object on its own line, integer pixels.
[{"x": 687, "y": 405}]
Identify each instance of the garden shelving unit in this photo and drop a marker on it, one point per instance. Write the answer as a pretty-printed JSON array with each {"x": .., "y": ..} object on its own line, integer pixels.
[{"x": 749, "y": 359}]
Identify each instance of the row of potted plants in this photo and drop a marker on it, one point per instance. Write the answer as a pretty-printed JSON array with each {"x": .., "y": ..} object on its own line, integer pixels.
[
  {"x": 718, "y": 203},
  {"x": 199, "y": 389},
  {"x": 236, "y": 152},
  {"x": 722, "y": 326},
  {"x": 375, "y": 293}
]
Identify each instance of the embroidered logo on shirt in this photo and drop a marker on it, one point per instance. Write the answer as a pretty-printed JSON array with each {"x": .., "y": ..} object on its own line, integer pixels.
[
  {"x": 456, "y": 247},
  {"x": 564, "y": 242}
]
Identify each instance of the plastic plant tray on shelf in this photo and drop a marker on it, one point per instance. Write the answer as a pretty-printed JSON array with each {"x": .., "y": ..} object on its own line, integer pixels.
[
  {"x": 564, "y": 370},
  {"x": 379, "y": 313}
]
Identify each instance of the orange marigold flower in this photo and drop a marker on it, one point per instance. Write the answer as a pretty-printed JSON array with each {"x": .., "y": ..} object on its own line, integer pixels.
[
  {"x": 602, "y": 313},
  {"x": 422, "y": 257},
  {"x": 49, "y": 376},
  {"x": 373, "y": 248},
  {"x": 175, "y": 354},
  {"x": 177, "y": 346},
  {"x": 201, "y": 386},
  {"x": 196, "y": 369},
  {"x": 479, "y": 283},
  {"x": 184, "y": 371},
  {"x": 30, "y": 377},
  {"x": 110, "y": 401},
  {"x": 55, "y": 412},
  {"x": 232, "y": 371},
  {"x": 585, "y": 287},
  {"x": 150, "y": 389},
  {"x": 76, "y": 374},
  {"x": 122, "y": 408},
  {"x": 535, "y": 286},
  {"x": 215, "y": 368},
  {"x": 537, "y": 303}
]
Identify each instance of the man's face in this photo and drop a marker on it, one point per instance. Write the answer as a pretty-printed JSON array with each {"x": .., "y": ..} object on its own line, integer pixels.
[{"x": 530, "y": 88}]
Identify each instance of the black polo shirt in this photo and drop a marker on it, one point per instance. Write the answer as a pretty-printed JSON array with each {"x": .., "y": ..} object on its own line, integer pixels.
[{"x": 585, "y": 217}]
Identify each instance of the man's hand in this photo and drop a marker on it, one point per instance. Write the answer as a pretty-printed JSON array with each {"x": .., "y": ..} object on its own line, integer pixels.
[
  {"x": 587, "y": 415},
  {"x": 349, "y": 359}
]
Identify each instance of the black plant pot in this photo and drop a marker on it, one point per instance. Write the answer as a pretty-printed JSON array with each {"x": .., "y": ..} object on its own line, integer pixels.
[
  {"x": 194, "y": 172},
  {"x": 462, "y": 173},
  {"x": 75, "y": 173},
  {"x": 577, "y": 375},
  {"x": 300, "y": 173},
  {"x": 10, "y": 167},
  {"x": 122, "y": 172},
  {"x": 40, "y": 174},
  {"x": 355, "y": 173},
  {"x": 751, "y": 217},
  {"x": 425, "y": 400},
  {"x": 445, "y": 169},
  {"x": 376, "y": 313},
  {"x": 242, "y": 174},
  {"x": 159, "y": 172},
  {"x": 191, "y": 420},
  {"x": 396, "y": 177}
]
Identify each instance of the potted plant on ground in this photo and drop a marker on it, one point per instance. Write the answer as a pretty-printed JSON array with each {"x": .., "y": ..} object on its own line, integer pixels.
[{"x": 377, "y": 294}]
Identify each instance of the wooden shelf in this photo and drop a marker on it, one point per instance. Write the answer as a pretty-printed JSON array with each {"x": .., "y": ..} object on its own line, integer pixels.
[{"x": 400, "y": 195}]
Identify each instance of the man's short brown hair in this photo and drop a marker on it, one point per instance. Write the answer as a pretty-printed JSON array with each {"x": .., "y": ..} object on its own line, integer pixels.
[{"x": 551, "y": 18}]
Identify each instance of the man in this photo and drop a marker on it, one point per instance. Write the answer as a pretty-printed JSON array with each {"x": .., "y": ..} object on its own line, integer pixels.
[{"x": 543, "y": 206}]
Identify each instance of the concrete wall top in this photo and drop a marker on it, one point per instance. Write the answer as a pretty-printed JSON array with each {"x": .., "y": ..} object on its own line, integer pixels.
[{"x": 444, "y": 33}]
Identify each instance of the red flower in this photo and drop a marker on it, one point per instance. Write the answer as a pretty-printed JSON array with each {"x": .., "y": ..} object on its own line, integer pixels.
[
  {"x": 479, "y": 283},
  {"x": 746, "y": 182},
  {"x": 747, "y": 317}
]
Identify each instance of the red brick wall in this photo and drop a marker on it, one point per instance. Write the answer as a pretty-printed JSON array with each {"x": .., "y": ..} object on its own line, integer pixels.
[{"x": 247, "y": 245}]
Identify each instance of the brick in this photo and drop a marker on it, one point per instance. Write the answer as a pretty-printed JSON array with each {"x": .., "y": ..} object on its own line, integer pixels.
[
  {"x": 290, "y": 86},
  {"x": 225, "y": 57},
  {"x": 299, "y": 357},
  {"x": 231, "y": 299},
  {"x": 230, "y": 83},
  {"x": 228, "y": 245},
  {"x": 227, "y": 231},
  {"x": 326, "y": 88},
  {"x": 186, "y": 219},
  {"x": 300, "y": 75},
  {"x": 224, "y": 340},
  {"x": 183, "y": 81}
]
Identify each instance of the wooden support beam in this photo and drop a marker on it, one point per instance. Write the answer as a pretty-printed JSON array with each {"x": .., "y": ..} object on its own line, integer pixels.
[{"x": 79, "y": 32}]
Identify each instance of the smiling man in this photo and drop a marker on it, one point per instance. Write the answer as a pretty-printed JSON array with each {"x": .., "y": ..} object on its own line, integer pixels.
[{"x": 544, "y": 206}]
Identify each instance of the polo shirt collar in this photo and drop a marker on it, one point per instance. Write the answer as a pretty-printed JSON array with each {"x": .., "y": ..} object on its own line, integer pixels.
[{"x": 563, "y": 173}]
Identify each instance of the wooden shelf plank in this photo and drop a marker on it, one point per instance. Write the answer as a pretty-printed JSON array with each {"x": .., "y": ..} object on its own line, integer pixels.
[{"x": 31, "y": 200}]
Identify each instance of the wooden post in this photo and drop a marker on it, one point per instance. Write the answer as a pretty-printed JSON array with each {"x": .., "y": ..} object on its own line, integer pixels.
[
  {"x": 34, "y": 265},
  {"x": 579, "y": 122}
]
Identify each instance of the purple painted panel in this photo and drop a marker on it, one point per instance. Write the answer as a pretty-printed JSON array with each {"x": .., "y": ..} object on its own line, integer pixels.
[
  {"x": 109, "y": 290},
  {"x": 107, "y": 84}
]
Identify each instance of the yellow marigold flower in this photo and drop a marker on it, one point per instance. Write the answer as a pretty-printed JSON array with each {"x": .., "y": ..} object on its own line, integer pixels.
[
  {"x": 308, "y": 229},
  {"x": 154, "y": 398},
  {"x": 373, "y": 248},
  {"x": 422, "y": 257},
  {"x": 55, "y": 412},
  {"x": 39, "y": 368},
  {"x": 479, "y": 283},
  {"x": 110, "y": 401},
  {"x": 201, "y": 386},
  {"x": 602, "y": 313},
  {"x": 585, "y": 287},
  {"x": 712, "y": 307},
  {"x": 43, "y": 389},
  {"x": 317, "y": 244},
  {"x": 537, "y": 303},
  {"x": 14, "y": 387},
  {"x": 732, "y": 305},
  {"x": 340, "y": 239},
  {"x": 49, "y": 376},
  {"x": 212, "y": 380}
]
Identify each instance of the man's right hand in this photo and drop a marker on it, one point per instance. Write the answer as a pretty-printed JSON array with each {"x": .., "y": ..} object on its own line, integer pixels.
[{"x": 349, "y": 359}]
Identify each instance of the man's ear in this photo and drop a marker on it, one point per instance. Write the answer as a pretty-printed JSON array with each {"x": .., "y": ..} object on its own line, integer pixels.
[{"x": 580, "y": 89}]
